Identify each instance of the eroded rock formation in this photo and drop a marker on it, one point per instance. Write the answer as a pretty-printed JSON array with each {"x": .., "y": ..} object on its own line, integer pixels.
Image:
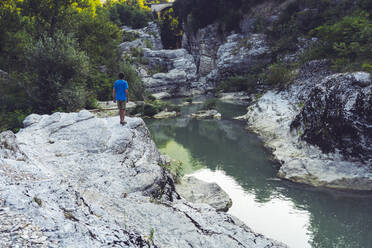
[
  {"x": 74, "y": 180},
  {"x": 328, "y": 144}
]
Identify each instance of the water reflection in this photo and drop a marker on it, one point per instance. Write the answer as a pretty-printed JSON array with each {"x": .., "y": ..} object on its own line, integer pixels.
[
  {"x": 277, "y": 218},
  {"x": 237, "y": 161}
]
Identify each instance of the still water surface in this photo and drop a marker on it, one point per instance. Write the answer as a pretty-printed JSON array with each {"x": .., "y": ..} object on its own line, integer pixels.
[{"x": 225, "y": 153}]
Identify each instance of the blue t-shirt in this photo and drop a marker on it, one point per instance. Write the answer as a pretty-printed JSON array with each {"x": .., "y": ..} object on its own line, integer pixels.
[{"x": 120, "y": 86}]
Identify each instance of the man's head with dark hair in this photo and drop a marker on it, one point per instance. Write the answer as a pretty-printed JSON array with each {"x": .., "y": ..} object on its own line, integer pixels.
[{"x": 121, "y": 75}]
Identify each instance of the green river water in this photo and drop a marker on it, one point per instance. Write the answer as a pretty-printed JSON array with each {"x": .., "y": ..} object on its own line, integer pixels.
[{"x": 225, "y": 153}]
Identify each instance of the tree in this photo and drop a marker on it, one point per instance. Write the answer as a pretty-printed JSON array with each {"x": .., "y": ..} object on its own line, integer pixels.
[
  {"x": 49, "y": 13},
  {"x": 56, "y": 74}
]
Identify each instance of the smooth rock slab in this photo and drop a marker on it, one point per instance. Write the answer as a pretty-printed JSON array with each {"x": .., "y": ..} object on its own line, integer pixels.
[
  {"x": 198, "y": 191},
  {"x": 90, "y": 182}
]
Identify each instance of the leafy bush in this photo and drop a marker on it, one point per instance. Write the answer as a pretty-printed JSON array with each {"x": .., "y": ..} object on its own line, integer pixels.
[
  {"x": 97, "y": 36},
  {"x": 158, "y": 68},
  {"x": 348, "y": 42},
  {"x": 132, "y": 15},
  {"x": 152, "y": 107},
  {"x": 136, "y": 51},
  {"x": 150, "y": 110},
  {"x": 176, "y": 169},
  {"x": 129, "y": 36},
  {"x": 56, "y": 73},
  {"x": 278, "y": 75},
  {"x": 12, "y": 120},
  {"x": 148, "y": 43},
  {"x": 239, "y": 83},
  {"x": 170, "y": 29}
]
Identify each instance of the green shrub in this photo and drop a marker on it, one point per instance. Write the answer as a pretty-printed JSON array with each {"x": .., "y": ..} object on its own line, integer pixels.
[
  {"x": 12, "y": 120},
  {"x": 139, "y": 109},
  {"x": 347, "y": 42},
  {"x": 176, "y": 169},
  {"x": 278, "y": 75},
  {"x": 239, "y": 83},
  {"x": 56, "y": 74},
  {"x": 159, "y": 69},
  {"x": 152, "y": 107},
  {"x": 150, "y": 110},
  {"x": 136, "y": 51},
  {"x": 148, "y": 44},
  {"x": 129, "y": 36},
  {"x": 129, "y": 14}
]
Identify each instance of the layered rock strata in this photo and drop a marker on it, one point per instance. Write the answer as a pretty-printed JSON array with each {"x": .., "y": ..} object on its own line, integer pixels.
[{"x": 180, "y": 72}]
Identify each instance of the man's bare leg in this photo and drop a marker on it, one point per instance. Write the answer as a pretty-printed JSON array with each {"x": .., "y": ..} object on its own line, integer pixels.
[
  {"x": 124, "y": 112},
  {"x": 122, "y": 115}
]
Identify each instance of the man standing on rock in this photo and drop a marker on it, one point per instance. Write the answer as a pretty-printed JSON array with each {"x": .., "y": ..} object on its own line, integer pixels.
[{"x": 121, "y": 96}]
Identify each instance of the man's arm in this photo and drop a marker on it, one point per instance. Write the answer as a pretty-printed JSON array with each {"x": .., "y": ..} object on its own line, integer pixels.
[
  {"x": 127, "y": 93},
  {"x": 113, "y": 95}
]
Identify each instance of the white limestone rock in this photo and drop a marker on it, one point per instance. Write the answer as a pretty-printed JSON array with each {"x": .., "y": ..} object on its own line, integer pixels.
[
  {"x": 165, "y": 115},
  {"x": 242, "y": 98},
  {"x": 272, "y": 116},
  {"x": 198, "y": 191},
  {"x": 207, "y": 114},
  {"x": 161, "y": 95},
  {"x": 91, "y": 182}
]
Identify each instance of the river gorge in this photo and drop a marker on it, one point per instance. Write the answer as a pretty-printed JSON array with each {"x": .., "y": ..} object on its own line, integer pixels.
[{"x": 222, "y": 151}]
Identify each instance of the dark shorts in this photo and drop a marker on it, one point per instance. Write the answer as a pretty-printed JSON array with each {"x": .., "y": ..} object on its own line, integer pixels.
[{"x": 122, "y": 104}]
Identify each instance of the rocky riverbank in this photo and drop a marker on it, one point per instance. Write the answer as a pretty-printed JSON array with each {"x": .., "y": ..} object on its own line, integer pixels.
[
  {"x": 320, "y": 128},
  {"x": 77, "y": 180}
]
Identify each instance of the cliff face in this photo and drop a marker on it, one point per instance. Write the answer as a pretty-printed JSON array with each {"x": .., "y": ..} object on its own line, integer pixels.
[
  {"x": 218, "y": 58},
  {"x": 319, "y": 127},
  {"x": 73, "y": 180}
]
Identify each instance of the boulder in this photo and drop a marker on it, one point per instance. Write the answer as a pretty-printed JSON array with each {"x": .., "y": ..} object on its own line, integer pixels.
[
  {"x": 207, "y": 114},
  {"x": 161, "y": 95},
  {"x": 90, "y": 182},
  {"x": 242, "y": 98},
  {"x": 165, "y": 115},
  {"x": 338, "y": 116},
  {"x": 198, "y": 191}
]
